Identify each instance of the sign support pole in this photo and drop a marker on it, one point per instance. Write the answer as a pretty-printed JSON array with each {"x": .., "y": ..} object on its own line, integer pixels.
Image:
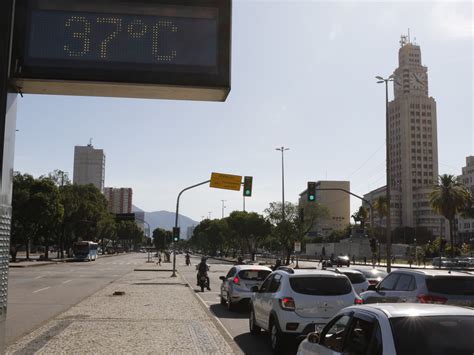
[
  {"x": 176, "y": 220},
  {"x": 7, "y": 137}
]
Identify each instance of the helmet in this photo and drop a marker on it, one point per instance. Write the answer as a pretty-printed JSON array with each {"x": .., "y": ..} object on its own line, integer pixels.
[
  {"x": 203, "y": 259},
  {"x": 239, "y": 259}
]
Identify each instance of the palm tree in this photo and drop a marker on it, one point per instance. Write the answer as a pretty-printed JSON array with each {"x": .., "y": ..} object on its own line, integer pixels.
[
  {"x": 381, "y": 206},
  {"x": 448, "y": 198}
]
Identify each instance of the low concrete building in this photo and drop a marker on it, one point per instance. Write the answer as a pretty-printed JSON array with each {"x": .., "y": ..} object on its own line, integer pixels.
[{"x": 337, "y": 202}]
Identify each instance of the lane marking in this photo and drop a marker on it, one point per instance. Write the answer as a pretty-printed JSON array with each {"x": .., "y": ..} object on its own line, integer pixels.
[
  {"x": 67, "y": 281},
  {"x": 41, "y": 289},
  {"x": 39, "y": 277}
]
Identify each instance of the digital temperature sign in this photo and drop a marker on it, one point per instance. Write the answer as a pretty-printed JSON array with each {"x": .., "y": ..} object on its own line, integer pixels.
[{"x": 148, "y": 48}]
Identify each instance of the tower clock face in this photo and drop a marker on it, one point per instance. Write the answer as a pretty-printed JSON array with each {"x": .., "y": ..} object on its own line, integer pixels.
[{"x": 417, "y": 80}]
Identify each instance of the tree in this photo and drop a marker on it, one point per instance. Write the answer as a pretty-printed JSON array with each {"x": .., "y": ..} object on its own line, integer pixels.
[
  {"x": 59, "y": 177},
  {"x": 448, "y": 198},
  {"x": 295, "y": 226},
  {"x": 161, "y": 239},
  {"x": 361, "y": 216},
  {"x": 37, "y": 211},
  {"x": 129, "y": 234},
  {"x": 249, "y": 228},
  {"x": 21, "y": 226}
]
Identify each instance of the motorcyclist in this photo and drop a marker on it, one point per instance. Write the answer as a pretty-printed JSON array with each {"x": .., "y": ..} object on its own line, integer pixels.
[
  {"x": 203, "y": 268},
  {"x": 277, "y": 265},
  {"x": 240, "y": 261},
  {"x": 188, "y": 259}
]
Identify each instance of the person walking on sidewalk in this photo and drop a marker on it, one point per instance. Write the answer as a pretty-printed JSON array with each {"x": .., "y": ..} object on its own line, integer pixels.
[{"x": 159, "y": 258}]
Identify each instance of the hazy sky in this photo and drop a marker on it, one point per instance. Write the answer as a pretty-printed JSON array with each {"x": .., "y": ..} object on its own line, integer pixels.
[{"x": 302, "y": 77}]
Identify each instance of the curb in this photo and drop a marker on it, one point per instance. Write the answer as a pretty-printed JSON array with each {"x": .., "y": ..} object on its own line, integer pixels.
[{"x": 217, "y": 323}]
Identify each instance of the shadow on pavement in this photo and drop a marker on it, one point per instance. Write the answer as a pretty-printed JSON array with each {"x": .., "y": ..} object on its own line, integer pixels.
[
  {"x": 254, "y": 344},
  {"x": 221, "y": 312}
]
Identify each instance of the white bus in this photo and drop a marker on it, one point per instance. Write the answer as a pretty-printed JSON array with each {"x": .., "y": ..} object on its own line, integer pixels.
[{"x": 85, "y": 250}]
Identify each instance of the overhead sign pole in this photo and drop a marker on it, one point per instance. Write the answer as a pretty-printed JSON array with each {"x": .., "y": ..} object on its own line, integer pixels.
[
  {"x": 7, "y": 137},
  {"x": 176, "y": 221}
]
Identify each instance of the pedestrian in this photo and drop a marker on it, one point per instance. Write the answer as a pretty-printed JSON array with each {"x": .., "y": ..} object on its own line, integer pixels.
[
  {"x": 159, "y": 258},
  {"x": 365, "y": 260},
  {"x": 353, "y": 259}
]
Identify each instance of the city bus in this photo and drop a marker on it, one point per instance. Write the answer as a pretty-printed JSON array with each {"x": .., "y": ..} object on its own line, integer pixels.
[{"x": 85, "y": 250}]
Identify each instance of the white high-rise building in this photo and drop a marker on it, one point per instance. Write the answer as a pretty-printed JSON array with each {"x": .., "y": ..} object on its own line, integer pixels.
[
  {"x": 413, "y": 144},
  {"x": 466, "y": 225},
  {"x": 89, "y": 166}
]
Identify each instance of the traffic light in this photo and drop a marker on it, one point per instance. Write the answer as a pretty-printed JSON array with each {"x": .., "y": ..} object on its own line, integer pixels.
[
  {"x": 175, "y": 234},
  {"x": 248, "y": 186},
  {"x": 311, "y": 191},
  {"x": 373, "y": 245}
]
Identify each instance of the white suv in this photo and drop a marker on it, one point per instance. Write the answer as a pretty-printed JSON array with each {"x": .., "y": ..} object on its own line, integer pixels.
[{"x": 295, "y": 302}]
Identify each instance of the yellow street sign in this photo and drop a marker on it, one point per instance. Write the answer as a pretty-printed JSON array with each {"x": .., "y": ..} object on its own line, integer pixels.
[{"x": 225, "y": 181}]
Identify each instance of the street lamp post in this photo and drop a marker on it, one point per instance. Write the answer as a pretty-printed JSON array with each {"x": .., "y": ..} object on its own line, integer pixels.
[
  {"x": 282, "y": 150},
  {"x": 223, "y": 207},
  {"x": 387, "y": 143}
]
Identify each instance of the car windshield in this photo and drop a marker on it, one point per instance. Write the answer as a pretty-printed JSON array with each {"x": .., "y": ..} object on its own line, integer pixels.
[
  {"x": 320, "y": 285},
  {"x": 374, "y": 273},
  {"x": 436, "y": 335},
  {"x": 451, "y": 285},
  {"x": 355, "y": 278},
  {"x": 254, "y": 275}
]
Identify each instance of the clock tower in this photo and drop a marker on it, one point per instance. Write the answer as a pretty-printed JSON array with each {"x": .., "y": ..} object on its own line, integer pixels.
[{"x": 413, "y": 143}]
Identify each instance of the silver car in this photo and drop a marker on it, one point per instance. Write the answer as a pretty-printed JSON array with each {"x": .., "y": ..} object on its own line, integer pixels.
[
  {"x": 391, "y": 329},
  {"x": 357, "y": 278},
  {"x": 236, "y": 285},
  {"x": 423, "y": 286}
]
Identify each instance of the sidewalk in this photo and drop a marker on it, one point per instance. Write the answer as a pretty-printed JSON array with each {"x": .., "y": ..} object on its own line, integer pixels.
[
  {"x": 155, "y": 315},
  {"x": 36, "y": 262}
]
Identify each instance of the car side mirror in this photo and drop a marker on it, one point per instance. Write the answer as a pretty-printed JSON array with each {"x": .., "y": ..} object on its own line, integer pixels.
[
  {"x": 313, "y": 338},
  {"x": 222, "y": 278},
  {"x": 372, "y": 288},
  {"x": 254, "y": 289}
]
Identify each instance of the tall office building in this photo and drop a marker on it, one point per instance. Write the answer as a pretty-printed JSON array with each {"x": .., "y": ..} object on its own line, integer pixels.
[
  {"x": 466, "y": 225},
  {"x": 119, "y": 199},
  {"x": 89, "y": 166},
  {"x": 337, "y": 203},
  {"x": 413, "y": 144}
]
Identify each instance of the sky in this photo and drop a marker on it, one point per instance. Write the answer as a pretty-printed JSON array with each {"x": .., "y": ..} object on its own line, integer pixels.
[{"x": 302, "y": 77}]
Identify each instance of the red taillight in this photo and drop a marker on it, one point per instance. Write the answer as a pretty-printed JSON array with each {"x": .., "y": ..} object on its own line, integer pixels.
[
  {"x": 373, "y": 282},
  {"x": 236, "y": 280},
  {"x": 358, "y": 301},
  {"x": 432, "y": 299},
  {"x": 287, "y": 304}
]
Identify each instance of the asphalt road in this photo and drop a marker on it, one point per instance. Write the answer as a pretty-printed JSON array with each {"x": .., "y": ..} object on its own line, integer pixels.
[
  {"x": 235, "y": 322},
  {"x": 36, "y": 294}
]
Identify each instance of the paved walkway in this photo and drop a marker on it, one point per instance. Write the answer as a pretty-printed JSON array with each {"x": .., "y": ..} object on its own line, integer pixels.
[{"x": 156, "y": 314}]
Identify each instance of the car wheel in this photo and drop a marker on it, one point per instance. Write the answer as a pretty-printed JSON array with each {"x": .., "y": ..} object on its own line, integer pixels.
[
  {"x": 230, "y": 305},
  {"x": 223, "y": 302},
  {"x": 254, "y": 329},
  {"x": 276, "y": 338}
]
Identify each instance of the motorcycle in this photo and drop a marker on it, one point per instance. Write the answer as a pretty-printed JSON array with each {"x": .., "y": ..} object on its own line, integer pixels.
[{"x": 202, "y": 280}]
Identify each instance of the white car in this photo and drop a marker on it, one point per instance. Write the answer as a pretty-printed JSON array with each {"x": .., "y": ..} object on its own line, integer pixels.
[
  {"x": 423, "y": 286},
  {"x": 395, "y": 328},
  {"x": 357, "y": 278},
  {"x": 295, "y": 302},
  {"x": 236, "y": 285}
]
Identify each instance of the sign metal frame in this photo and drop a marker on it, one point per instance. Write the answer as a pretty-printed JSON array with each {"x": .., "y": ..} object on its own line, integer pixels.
[{"x": 136, "y": 80}]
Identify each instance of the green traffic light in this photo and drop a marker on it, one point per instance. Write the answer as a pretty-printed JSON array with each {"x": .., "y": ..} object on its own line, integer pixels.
[
  {"x": 247, "y": 192},
  {"x": 311, "y": 197}
]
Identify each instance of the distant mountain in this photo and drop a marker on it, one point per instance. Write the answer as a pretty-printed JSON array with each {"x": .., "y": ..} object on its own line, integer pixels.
[{"x": 165, "y": 220}]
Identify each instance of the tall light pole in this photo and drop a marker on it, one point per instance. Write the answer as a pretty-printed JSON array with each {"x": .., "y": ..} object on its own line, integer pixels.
[
  {"x": 209, "y": 214},
  {"x": 282, "y": 150},
  {"x": 387, "y": 143},
  {"x": 223, "y": 207}
]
